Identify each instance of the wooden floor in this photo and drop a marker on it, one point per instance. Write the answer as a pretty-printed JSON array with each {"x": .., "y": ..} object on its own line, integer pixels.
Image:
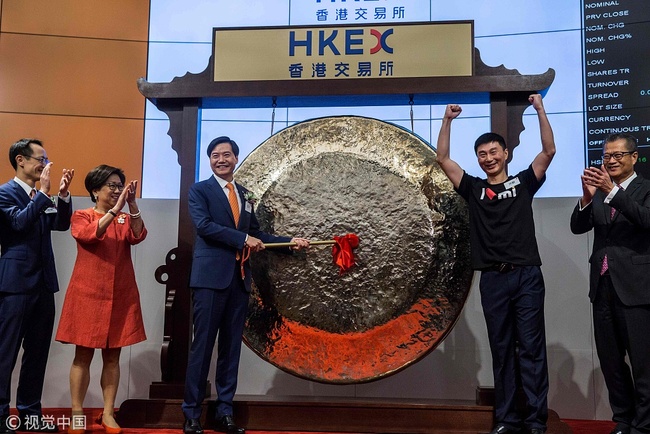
[
  {"x": 343, "y": 415},
  {"x": 62, "y": 414}
]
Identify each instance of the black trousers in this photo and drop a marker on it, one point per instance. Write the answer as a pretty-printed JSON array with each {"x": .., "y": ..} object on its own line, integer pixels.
[
  {"x": 621, "y": 330},
  {"x": 513, "y": 305},
  {"x": 27, "y": 320}
]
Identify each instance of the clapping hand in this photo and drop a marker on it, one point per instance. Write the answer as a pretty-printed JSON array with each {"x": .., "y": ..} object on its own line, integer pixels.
[
  {"x": 130, "y": 190},
  {"x": 66, "y": 179}
]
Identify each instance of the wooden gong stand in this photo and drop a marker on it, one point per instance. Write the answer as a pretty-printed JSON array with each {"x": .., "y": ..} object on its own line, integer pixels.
[{"x": 182, "y": 100}]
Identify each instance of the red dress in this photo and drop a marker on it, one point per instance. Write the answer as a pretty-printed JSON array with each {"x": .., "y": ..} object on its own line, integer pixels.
[{"x": 102, "y": 304}]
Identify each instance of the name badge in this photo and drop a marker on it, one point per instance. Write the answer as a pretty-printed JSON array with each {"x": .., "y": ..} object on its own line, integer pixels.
[
  {"x": 248, "y": 207},
  {"x": 512, "y": 183}
]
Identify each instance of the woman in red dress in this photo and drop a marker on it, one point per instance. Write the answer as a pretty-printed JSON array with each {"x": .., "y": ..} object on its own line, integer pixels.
[{"x": 102, "y": 304}]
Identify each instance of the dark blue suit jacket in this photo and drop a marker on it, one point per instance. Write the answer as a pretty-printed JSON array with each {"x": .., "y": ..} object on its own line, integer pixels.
[
  {"x": 217, "y": 239},
  {"x": 26, "y": 246}
]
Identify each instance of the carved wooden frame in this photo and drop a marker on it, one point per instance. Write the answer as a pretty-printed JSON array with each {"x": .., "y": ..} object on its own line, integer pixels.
[{"x": 183, "y": 98}]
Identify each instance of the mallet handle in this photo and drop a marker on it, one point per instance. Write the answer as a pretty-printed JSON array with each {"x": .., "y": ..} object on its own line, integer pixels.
[{"x": 311, "y": 243}]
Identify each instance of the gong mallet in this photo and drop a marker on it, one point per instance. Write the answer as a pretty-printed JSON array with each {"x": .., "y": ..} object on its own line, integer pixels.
[
  {"x": 342, "y": 253},
  {"x": 311, "y": 243}
]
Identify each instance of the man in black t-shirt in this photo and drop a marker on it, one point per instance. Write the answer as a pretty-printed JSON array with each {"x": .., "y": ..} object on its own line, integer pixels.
[{"x": 504, "y": 249}]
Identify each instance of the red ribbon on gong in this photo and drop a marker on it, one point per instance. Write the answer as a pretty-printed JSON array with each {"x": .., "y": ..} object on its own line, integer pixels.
[{"x": 342, "y": 251}]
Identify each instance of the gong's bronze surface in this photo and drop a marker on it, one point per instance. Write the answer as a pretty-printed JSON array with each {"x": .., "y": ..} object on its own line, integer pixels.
[{"x": 331, "y": 176}]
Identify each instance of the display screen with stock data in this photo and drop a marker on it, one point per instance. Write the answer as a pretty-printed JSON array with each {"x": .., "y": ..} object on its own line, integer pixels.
[{"x": 617, "y": 75}]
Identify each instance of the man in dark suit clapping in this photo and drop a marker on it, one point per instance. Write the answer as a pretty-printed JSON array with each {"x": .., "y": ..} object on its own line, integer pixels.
[
  {"x": 225, "y": 224},
  {"x": 28, "y": 279},
  {"x": 616, "y": 204}
]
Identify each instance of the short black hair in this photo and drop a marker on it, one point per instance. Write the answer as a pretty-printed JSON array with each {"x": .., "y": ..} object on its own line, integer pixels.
[
  {"x": 223, "y": 139},
  {"x": 98, "y": 176},
  {"x": 630, "y": 141},
  {"x": 489, "y": 138},
  {"x": 22, "y": 147}
]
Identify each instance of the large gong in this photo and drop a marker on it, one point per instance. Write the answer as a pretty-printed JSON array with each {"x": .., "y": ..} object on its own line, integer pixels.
[{"x": 332, "y": 176}]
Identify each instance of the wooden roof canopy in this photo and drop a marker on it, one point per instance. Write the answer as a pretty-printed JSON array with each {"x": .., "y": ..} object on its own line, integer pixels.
[{"x": 476, "y": 88}]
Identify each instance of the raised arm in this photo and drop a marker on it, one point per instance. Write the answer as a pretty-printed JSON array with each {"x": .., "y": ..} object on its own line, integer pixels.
[
  {"x": 544, "y": 158},
  {"x": 453, "y": 171}
]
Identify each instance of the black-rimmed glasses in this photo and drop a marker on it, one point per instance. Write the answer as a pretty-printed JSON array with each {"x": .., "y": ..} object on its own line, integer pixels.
[
  {"x": 616, "y": 155},
  {"x": 115, "y": 187}
]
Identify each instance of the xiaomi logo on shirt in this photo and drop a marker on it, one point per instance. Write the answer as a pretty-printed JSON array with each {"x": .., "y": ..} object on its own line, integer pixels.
[
  {"x": 487, "y": 192},
  {"x": 510, "y": 191}
]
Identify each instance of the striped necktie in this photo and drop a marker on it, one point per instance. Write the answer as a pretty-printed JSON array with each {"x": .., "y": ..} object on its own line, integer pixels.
[{"x": 605, "y": 266}]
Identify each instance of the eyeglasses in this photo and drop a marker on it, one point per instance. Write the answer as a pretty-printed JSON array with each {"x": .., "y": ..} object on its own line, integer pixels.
[
  {"x": 616, "y": 155},
  {"x": 115, "y": 187},
  {"x": 42, "y": 160}
]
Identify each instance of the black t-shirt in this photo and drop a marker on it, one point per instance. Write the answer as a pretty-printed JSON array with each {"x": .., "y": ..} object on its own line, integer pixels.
[{"x": 501, "y": 219}]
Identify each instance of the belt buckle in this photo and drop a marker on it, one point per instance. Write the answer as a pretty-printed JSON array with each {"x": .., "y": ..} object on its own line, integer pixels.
[{"x": 505, "y": 267}]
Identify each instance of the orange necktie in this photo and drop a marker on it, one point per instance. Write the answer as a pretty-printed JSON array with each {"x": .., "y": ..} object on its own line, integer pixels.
[{"x": 232, "y": 199}]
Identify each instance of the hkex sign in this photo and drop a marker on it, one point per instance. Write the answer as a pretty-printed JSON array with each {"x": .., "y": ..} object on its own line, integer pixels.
[
  {"x": 348, "y": 42},
  {"x": 344, "y": 52}
]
